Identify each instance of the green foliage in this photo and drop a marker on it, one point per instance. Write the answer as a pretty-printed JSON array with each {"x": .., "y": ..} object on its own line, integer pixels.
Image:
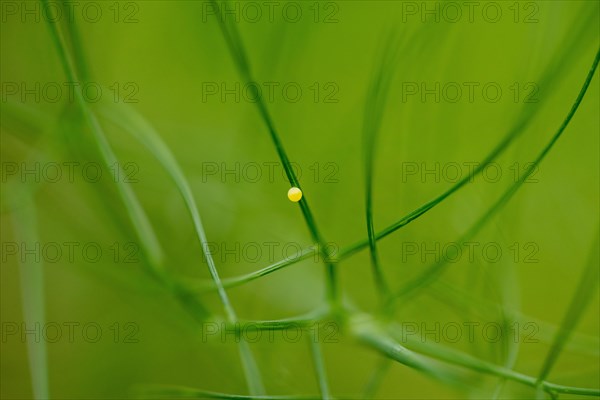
[{"x": 176, "y": 246}]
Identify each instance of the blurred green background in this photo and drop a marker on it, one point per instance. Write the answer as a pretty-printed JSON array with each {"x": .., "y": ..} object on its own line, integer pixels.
[{"x": 164, "y": 58}]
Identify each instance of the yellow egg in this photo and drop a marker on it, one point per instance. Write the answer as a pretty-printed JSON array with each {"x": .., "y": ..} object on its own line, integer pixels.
[{"x": 295, "y": 194}]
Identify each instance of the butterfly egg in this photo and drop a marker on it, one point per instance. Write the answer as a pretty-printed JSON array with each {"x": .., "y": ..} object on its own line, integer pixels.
[{"x": 295, "y": 194}]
